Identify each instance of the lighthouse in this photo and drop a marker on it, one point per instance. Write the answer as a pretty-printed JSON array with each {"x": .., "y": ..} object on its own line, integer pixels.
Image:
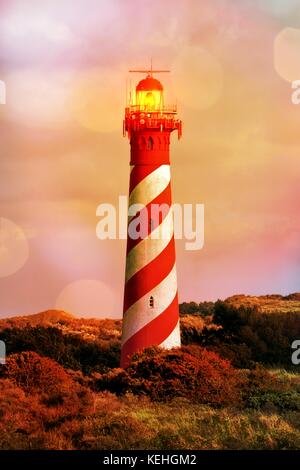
[{"x": 151, "y": 313}]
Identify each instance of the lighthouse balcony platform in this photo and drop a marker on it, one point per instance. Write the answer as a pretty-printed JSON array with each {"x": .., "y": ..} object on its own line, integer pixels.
[{"x": 138, "y": 119}]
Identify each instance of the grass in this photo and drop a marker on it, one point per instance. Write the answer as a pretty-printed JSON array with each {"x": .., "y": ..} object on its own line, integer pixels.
[
  {"x": 291, "y": 374},
  {"x": 133, "y": 423}
]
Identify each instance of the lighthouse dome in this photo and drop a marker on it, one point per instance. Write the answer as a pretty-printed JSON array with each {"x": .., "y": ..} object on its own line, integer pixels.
[
  {"x": 149, "y": 84},
  {"x": 149, "y": 94}
]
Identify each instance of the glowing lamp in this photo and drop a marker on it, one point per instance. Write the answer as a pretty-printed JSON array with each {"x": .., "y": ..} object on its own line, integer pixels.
[{"x": 149, "y": 94}]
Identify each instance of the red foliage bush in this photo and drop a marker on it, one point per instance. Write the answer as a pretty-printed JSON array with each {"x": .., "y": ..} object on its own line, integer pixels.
[
  {"x": 34, "y": 373},
  {"x": 192, "y": 372},
  {"x": 239, "y": 355},
  {"x": 59, "y": 394},
  {"x": 21, "y": 423}
]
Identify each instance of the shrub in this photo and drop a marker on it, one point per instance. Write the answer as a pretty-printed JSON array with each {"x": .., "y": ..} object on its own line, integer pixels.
[
  {"x": 192, "y": 308},
  {"x": 195, "y": 373},
  {"x": 59, "y": 394},
  {"x": 191, "y": 327},
  {"x": 239, "y": 354},
  {"x": 266, "y": 335},
  {"x": 20, "y": 418},
  {"x": 69, "y": 350},
  {"x": 189, "y": 307},
  {"x": 264, "y": 390},
  {"x": 231, "y": 318}
]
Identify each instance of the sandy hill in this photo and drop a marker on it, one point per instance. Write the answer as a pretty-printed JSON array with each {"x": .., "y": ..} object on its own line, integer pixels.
[
  {"x": 88, "y": 328},
  {"x": 268, "y": 303},
  {"x": 43, "y": 318}
]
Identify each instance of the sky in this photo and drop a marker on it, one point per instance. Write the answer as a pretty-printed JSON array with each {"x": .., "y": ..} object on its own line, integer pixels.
[{"x": 65, "y": 65}]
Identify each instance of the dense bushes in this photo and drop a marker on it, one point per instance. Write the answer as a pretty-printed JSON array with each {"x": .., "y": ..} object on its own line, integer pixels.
[
  {"x": 191, "y": 308},
  {"x": 163, "y": 402},
  {"x": 62, "y": 389},
  {"x": 245, "y": 335},
  {"x": 267, "y": 337},
  {"x": 71, "y": 351},
  {"x": 201, "y": 376},
  {"x": 20, "y": 417},
  {"x": 262, "y": 389},
  {"x": 34, "y": 373},
  {"x": 59, "y": 396},
  {"x": 194, "y": 373}
]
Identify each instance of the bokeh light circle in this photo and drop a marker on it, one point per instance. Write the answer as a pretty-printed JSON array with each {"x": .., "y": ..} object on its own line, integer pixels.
[
  {"x": 14, "y": 249},
  {"x": 87, "y": 298},
  {"x": 287, "y": 54}
]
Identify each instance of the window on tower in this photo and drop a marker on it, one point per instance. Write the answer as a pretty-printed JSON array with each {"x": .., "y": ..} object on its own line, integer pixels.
[
  {"x": 151, "y": 302},
  {"x": 150, "y": 143}
]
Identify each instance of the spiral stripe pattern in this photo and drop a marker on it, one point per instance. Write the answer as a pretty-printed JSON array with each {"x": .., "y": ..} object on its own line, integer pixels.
[{"x": 150, "y": 299}]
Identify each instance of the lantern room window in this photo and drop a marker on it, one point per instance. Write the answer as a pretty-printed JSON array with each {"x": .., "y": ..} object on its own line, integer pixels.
[{"x": 149, "y": 95}]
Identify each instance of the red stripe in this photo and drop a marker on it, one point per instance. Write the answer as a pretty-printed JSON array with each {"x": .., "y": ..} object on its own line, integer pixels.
[
  {"x": 163, "y": 198},
  {"x": 152, "y": 334},
  {"x": 150, "y": 275},
  {"x": 138, "y": 173}
]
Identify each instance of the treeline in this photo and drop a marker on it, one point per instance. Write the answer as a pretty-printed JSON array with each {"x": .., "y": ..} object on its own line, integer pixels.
[
  {"x": 69, "y": 350},
  {"x": 192, "y": 308},
  {"x": 246, "y": 335}
]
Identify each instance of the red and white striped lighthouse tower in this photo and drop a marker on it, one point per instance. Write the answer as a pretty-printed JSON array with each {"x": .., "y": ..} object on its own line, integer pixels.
[{"x": 151, "y": 315}]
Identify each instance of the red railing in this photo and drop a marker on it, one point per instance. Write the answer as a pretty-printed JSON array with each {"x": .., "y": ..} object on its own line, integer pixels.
[
  {"x": 172, "y": 109},
  {"x": 139, "y": 121}
]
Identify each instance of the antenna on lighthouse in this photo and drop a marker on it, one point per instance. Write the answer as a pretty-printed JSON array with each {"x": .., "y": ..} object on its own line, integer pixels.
[{"x": 150, "y": 71}]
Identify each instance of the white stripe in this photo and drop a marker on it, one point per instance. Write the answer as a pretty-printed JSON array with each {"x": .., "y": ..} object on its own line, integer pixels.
[
  {"x": 140, "y": 313},
  {"x": 173, "y": 340},
  {"x": 150, "y": 247},
  {"x": 151, "y": 186}
]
